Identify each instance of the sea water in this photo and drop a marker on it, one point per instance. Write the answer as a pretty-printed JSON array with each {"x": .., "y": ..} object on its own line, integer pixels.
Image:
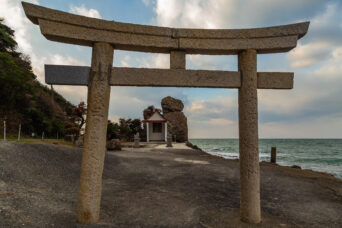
[{"x": 323, "y": 155}]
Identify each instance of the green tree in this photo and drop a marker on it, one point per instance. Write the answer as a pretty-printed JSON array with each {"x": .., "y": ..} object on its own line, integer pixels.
[
  {"x": 7, "y": 42},
  {"x": 58, "y": 127},
  {"x": 24, "y": 99},
  {"x": 79, "y": 112},
  {"x": 113, "y": 130}
]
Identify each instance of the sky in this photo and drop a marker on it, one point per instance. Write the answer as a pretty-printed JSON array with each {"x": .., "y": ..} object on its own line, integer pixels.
[{"x": 313, "y": 109}]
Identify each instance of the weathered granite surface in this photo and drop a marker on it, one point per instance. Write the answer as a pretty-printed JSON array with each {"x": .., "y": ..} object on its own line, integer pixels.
[
  {"x": 125, "y": 76},
  {"x": 89, "y": 197},
  {"x": 275, "y": 80},
  {"x": 64, "y": 27},
  {"x": 33, "y": 12},
  {"x": 177, "y": 60},
  {"x": 177, "y": 124},
  {"x": 248, "y": 139},
  {"x": 170, "y": 104}
]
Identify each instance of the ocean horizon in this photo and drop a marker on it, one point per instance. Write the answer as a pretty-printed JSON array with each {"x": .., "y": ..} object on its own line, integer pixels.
[{"x": 318, "y": 154}]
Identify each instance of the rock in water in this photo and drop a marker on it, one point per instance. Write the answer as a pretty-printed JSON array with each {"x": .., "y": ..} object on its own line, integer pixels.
[
  {"x": 170, "y": 104},
  {"x": 177, "y": 124},
  {"x": 114, "y": 144}
]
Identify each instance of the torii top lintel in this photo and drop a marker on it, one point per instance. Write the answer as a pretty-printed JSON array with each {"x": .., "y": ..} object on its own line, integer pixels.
[{"x": 74, "y": 29}]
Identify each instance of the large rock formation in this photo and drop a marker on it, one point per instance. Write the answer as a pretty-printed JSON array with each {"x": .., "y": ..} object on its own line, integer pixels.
[
  {"x": 170, "y": 104},
  {"x": 177, "y": 122}
]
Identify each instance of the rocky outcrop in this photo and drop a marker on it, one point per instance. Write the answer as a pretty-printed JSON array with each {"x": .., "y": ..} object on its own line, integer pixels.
[
  {"x": 114, "y": 144},
  {"x": 176, "y": 120},
  {"x": 170, "y": 104},
  {"x": 148, "y": 111}
]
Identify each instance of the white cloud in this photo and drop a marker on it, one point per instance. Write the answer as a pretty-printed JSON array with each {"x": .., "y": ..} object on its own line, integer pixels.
[
  {"x": 146, "y": 2},
  {"x": 321, "y": 127},
  {"x": 144, "y": 60},
  {"x": 155, "y": 61},
  {"x": 82, "y": 10},
  {"x": 125, "y": 61},
  {"x": 309, "y": 54},
  {"x": 214, "y": 118},
  {"x": 230, "y": 13},
  {"x": 313, "y": 104},
  {"x": 220, "y": 121},
  {"x": 324, "y": 36},
  {"x": 14, "y": 17}
]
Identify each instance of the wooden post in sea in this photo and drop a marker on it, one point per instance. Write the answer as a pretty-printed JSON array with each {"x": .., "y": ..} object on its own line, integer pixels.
[{"x": 274, "y": 155}]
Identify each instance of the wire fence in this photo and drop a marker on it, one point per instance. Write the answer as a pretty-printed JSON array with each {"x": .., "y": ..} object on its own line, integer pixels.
[{"x": 17, "y": 134}]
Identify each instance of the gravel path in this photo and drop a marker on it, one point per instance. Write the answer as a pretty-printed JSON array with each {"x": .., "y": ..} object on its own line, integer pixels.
[{"x": 157, "y": 187}]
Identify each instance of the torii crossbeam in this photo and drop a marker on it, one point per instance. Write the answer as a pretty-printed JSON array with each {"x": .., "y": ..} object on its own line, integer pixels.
[{"x": 105, "y": 36}]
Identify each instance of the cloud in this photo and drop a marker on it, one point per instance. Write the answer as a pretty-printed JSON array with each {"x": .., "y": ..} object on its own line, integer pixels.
[
  {"x": 323, "y": 127},
  {"x": 309, "y": 54},
  {"x": 14, "y": 17},
  {"x": 222, "y": 14},
  {"x": 312, "y": 109},
  {"x": 220, "y": 121},
  {"x": 146, "y": 2},
  {"x": 316, "y": 94},
  {"x": 82, "y": 10},
  {"x": 232, "y": 13},
  {"x": 323, "y": 37},
  {"x": 214, "y": 118}
]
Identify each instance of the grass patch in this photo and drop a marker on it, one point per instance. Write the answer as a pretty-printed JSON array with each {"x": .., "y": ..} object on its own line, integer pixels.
[{"x": 45, "y": 141}]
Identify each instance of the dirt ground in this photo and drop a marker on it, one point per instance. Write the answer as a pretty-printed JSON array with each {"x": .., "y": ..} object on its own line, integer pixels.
[{"x": 157, "y": 187}]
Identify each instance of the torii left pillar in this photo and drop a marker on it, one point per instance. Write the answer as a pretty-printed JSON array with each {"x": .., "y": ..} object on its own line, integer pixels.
[{"x": 89, "y": 197}]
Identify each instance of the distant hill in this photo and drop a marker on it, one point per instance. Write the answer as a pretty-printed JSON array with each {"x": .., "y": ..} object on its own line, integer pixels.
[{"x": 23, "y": 99}]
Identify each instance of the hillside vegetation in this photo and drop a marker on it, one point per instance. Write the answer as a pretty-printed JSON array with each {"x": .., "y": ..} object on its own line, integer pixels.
[{"x": 23, "y": 99}]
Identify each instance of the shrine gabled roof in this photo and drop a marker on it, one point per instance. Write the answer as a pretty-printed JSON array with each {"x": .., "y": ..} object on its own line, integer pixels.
[
  {"x": 150, "y": 120},
  {"x": 75, "y": 29}
]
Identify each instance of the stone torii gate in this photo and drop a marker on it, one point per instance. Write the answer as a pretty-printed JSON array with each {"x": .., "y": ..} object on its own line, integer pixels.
[{"x": 105, "y": 36}]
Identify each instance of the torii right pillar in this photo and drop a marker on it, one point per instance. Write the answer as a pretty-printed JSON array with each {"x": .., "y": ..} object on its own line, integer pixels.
[{"x": 248, "y": 138}]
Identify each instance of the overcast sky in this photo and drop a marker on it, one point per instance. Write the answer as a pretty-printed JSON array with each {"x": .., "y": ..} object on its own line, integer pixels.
[{"x": 313, "y": 109}]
